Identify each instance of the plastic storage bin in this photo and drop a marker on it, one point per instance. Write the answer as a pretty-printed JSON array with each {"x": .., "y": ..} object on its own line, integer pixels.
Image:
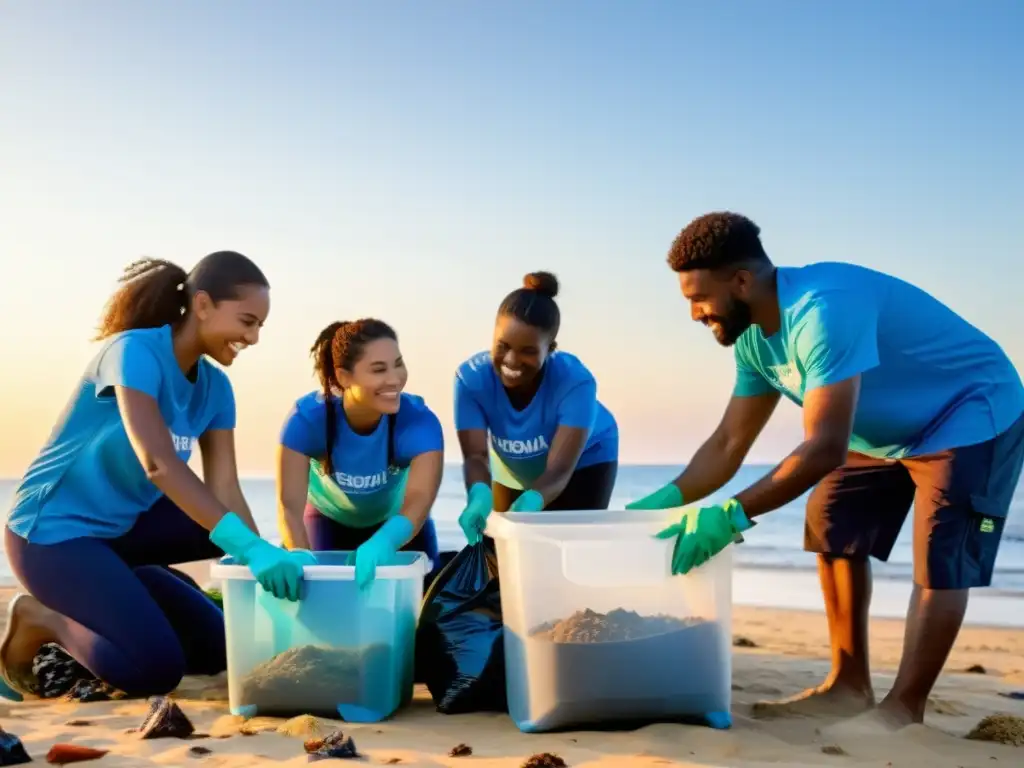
[
  {"x": 338, "y": 651},
  {"x": 598, "y": 630}
]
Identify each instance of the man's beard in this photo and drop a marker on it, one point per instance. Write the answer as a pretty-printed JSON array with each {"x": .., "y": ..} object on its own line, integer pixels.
[{"x": 731, "y": 325}]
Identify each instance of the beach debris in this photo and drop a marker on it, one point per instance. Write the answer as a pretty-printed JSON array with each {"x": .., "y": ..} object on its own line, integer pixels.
[
  {"x": 303, "y": 726},
  {"x": 12, "y": 751},
  {"x": 77, "y": 723},
  {"x": 545, "y": 760},
  {"x": 977, "y": 669},
  {"x": 744, "y": 642},
  {"x": 460, "y": 750},
  {"x": 393, "y": 761},
  {"x": 165, "y": 720},
  {"x": 56, "y": 672},
  {"x": 833, "y": 749},
  {"x": 335, "y": 744},
  {"x": 87, "y": 691},
  {"x": 1000, "y": 728},
  {"x": 65, "y": 754},
  {"x": 1015, "y": 695},
  {"x": 199, "y": 751}
]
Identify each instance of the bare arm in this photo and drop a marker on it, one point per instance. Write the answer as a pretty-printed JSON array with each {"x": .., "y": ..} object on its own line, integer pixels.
[
  {"x": 292, "y": 487},
  {"x": 151, "y": 441},
  {"x": 718, "y": 460},
  {"x": 220, "y": 473},
  {"x": 421, "y": 487},
  {"x": 476, "y": 464},
  {"x": 828, "y": 424},
  {"x": 565, "y": 451}
]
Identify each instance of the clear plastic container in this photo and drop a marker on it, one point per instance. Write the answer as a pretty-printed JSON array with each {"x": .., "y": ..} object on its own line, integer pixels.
[
  {"x": 599, "y": 631},
  {"x": 338, "y": 651}
]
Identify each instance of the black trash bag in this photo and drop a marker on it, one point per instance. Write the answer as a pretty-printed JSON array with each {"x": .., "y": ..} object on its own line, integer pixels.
[
  {"x": 12, "y": 751},
  {"x": 460, "y": 645},
  {"x": 57, "y": 673}
]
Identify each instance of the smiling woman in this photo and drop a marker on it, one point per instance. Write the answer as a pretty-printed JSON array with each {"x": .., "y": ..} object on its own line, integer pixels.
[
  {"x": 110, "y": 501},
  {"x": 529, "y": 414},
  {"x": 360, "y": 462}
]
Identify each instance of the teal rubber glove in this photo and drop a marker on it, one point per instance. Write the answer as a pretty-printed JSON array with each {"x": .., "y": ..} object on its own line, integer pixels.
[
  {"x": 275, "y": 568},
  {"x": 530, "y": 501},
  {"x": 380, "y": 548},
  {"x": 666, "y": 497},
  {"x": 473, "y": 520},
  {"x": 703, "y": 533}
]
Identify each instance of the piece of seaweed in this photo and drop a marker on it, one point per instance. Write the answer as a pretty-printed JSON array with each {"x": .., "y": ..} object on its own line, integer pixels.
[
  {"x": 165, "y": 720},
  {"x": 12, "y": 751}
]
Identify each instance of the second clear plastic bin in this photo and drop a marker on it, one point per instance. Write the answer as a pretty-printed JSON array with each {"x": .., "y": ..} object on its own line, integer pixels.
[
  {"x": 337, "y": 652},
  {"x": 598, "y": 630}
]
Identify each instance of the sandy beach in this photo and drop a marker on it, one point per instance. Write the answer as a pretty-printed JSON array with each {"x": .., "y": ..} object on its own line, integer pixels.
[{"x": 784, "y": 651}]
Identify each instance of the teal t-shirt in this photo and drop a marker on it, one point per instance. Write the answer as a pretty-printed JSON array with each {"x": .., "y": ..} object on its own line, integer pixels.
[
  {"x": 930, "y": 381},
  {"x": 369, "y": 471},
  {"x": 87, "y": 480}
]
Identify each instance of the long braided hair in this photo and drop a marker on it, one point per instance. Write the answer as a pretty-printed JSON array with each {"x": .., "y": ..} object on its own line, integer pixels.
[{"x": 339, "y": 347}]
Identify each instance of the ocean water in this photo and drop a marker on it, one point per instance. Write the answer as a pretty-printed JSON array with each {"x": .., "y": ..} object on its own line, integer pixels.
[{"x": 771, "y": 566}]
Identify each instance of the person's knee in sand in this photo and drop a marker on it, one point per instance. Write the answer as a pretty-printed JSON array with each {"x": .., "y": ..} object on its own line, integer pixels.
[
  {"x": 110, "y": 501},
  {"x": 906, "y": 405}
]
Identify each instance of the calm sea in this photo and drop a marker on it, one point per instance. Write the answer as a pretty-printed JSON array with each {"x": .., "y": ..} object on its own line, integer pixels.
[{"x": 772, "y": 567}]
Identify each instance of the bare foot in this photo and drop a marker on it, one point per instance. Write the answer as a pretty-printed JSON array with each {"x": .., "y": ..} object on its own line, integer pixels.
[
  {"x": 27, "y": 631},
  {"x": 824, "y": 701}
]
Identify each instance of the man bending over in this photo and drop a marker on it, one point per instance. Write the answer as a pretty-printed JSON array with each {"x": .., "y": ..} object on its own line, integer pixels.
[{"x": 904, "y": 404}]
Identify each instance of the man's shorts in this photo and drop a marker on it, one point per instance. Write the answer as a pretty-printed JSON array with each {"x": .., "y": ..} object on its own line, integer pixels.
[{"x": 961, "y": 498}]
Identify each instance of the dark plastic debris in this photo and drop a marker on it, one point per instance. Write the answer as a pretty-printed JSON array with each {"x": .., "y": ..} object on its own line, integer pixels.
[
  {"x": 545, "y": 760},
  {"x": 56, "y": 672},
  {"x": 165, "y": 720},
  {"x": 200, "y": 751},
  {"x": 461, "y": 750},
  {"x": 460, "y": 648},
  {"x": 12, "y": 751},
  {"x": 92, "y": 690},
  {"x": 335, "y": 744}
]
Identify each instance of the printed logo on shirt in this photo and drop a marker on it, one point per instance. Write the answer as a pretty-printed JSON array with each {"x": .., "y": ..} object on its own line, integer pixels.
[
  {"x": 183, "y": 443},
  {"x": 361, "y": 483},
  {"x": 787, "y": 376},
  {"x": 535, "y": 446}
]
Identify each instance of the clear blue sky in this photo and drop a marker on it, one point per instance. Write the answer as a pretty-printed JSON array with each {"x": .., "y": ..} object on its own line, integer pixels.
[{"x": 412, "y": 160}]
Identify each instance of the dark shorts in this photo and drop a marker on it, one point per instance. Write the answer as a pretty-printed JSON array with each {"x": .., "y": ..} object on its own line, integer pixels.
[
  {"x": 588, "y": 488},
  {"x": 961, "y": 498}
]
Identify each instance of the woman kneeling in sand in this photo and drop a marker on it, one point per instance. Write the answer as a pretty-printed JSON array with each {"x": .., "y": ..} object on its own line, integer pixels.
[
  {"x": 110, "y": 501},
  {"x": 360, "y": 462}
]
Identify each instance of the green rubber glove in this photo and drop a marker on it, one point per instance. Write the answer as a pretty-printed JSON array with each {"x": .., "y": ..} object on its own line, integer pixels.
[
  {"x": 380, "y": 548},
  {"x": 704, "y": 532},
  {"x": 473, "y": 520},
  {"x": 666, "y": 497},
  {"x": 275, "y": 568},
  {"x": 530, "y": 501}
]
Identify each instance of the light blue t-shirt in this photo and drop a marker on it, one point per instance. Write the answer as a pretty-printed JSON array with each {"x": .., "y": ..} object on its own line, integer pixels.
[
  {"x": 87, "y": 480},
  {"x": 520, "y": 440},
  {"x": 930, "y": 380},
  {"x": 364, "y": 488}
]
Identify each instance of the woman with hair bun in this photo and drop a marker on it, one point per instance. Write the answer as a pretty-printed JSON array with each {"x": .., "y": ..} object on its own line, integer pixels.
[
  {"x": 360, "y": 461},
  {"x": 533, "y": 434}
]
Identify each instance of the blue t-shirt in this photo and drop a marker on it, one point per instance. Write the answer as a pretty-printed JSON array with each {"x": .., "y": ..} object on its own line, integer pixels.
[
  {"x": 520, "y": 440},
  {"x": 930, "y": 380},
  {"x": 363, "y": 489},
  {"x": 87, "y": 480}
]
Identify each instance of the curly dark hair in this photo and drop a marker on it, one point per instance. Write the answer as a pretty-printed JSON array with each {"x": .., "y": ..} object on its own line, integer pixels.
[
  {"x": 340, "y": 345},
  {"x": 714, "y": 240}
]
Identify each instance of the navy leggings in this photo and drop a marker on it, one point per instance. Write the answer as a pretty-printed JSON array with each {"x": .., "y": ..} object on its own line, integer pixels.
[
  {"x": 326, "y": 534},
  {"x": 129, "y": 619}
]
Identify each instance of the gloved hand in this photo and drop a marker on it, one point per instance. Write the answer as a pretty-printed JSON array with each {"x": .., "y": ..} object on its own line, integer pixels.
[
  {"x": 276, "y": 569},
  {"x": 530, "y": 501},
  {"x": 380, "y": 548},
  {"x": 473, "y": 520},
  {"x": 703, "y": 533},
  {"x": 666, "y": 497}
]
